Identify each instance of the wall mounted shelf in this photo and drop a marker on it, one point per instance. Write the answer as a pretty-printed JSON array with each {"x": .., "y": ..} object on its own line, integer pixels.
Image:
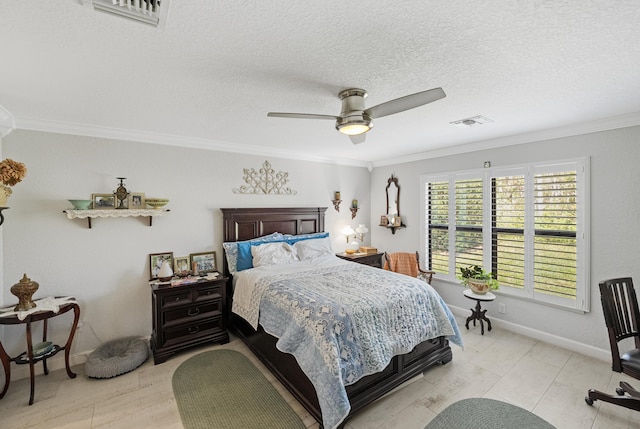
[
  {"x": 336, "y": 204},
  {"x": 354, "y": 211},
  {"x": 393, "y": 228},
  {"x": 101, "y": 213}
]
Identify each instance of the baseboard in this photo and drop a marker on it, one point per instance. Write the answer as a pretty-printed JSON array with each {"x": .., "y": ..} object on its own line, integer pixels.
[{"x": 565, "y": 343}]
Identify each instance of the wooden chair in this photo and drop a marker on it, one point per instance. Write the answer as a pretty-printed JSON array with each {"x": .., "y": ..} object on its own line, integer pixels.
[
  {"x": 407, "y": 263},
  {"x": 621, "y": 315}
]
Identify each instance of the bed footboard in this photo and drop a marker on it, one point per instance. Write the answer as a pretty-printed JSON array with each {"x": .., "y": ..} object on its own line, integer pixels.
[{"x": 284, "y": 366}]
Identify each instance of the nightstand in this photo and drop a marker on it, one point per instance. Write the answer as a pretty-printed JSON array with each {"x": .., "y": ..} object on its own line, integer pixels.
[
  {"x": 186, "y": 313},
  {"x": 372, "y": 259}
]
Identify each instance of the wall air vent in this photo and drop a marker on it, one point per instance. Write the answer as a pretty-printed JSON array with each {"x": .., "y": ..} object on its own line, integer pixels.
[{"x": 152, "y": 12}]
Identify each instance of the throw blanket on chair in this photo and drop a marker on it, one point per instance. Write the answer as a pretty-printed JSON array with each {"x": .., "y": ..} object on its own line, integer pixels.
[{"x": 403, "y": 263}]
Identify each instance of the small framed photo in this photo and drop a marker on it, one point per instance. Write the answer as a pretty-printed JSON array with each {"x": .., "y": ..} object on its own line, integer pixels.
[
  {"x": 206, "y": 262},
  {"x": 397, "y": 221},
  {"x": 103, "y": 201},
  {"x": 155, "y": 262},
  {"x": 136, "y": 200},
  {"x": 180, "y": 264},
  {"x": 384, "y": 221}
]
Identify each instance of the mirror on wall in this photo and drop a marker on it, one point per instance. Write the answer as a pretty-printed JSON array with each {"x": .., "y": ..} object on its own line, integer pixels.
[
  {"x": 393, "y": 196},
  {"x": 392, "y": 220}
]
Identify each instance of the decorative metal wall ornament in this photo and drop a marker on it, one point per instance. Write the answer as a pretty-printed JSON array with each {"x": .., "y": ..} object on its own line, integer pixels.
[{"x": 265, "y": 181}]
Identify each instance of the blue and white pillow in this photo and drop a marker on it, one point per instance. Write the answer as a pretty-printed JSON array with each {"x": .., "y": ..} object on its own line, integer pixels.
[
  {"x": 244, "y": 259},
  {"x": 231, "y": 249}
]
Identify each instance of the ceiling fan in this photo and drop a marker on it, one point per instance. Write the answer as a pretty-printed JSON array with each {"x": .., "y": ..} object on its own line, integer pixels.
[{"x": 354, "y": 120}]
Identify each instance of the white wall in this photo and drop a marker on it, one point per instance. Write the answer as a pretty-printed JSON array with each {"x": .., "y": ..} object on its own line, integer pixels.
[
  {"x": 107, "y": 267},
  {"x": 615, "y": 209}
]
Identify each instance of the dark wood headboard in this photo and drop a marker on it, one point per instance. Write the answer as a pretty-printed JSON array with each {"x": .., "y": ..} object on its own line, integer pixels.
[{"x": 245, "y": 224}]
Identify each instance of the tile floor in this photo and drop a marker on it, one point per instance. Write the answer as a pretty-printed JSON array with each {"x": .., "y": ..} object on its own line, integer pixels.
[{"x": 547, "y": 380}]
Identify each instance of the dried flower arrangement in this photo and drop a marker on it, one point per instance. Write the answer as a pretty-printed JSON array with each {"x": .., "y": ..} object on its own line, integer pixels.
[{"x": 12, "y": 172}]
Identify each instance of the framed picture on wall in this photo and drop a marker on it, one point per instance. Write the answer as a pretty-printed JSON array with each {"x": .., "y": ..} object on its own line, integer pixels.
[
  {"x": 384, "y": 221},
  {"x": 103, "y": 201},
  {"x": 155, "y": 262},
  {"x": 136, "y": 200},
  {"x": 206, "y": 262}
]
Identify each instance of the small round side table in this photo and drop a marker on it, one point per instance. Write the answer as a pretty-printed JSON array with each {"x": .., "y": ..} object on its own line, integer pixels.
[{"x": 477, "y": 313}]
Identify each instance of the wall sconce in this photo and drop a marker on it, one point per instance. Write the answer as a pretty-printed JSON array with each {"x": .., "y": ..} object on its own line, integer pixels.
[
  {"x": 1, "y": 215},
  {"x": 336, "y": 201},
  {"x": 361, "y": 230},
  {"x": 354, "y": 208}
]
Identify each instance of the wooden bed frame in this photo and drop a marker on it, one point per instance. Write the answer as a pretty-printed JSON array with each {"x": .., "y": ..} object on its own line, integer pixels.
[{"x": 244, "y": 224}]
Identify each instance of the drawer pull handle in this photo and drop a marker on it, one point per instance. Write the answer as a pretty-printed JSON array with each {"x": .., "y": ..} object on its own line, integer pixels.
[
  {"x": 177, "y": 299},
  {"x": 193, "y": 311},
  {"x": 194, "y": 330}
]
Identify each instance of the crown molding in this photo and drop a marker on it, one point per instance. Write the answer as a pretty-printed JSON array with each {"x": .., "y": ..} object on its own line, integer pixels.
[
  {"x": 606, "y": 124},
  {"x": 172, "y": 140}
]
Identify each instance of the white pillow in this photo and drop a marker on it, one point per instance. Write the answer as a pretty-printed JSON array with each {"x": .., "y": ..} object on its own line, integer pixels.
[
  {"x": 273, "y": 254},
  {"x": 309, "y": 249}
]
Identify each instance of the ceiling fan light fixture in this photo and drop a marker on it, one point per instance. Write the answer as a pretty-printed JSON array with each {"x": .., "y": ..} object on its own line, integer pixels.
[{"x": 353, "y": 126}]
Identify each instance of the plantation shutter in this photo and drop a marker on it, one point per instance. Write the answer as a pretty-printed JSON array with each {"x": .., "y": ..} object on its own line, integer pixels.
[
  {"x": 437, "y": 239},
  {"x": 468, "y": 222},
  {"x": 555, "y": 220}
]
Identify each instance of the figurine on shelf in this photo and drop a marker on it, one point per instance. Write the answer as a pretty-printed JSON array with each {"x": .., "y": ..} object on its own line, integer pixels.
[{"x": 121, "y": 194}]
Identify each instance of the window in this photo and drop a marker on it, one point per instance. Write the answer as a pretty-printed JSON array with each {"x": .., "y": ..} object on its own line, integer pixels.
[{"x": 527, "y": 224}]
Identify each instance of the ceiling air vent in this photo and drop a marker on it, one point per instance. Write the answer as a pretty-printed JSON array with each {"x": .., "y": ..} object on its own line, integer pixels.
[
  {"x": 152, "y": 12},
  {"x": 470, "y": 122}
]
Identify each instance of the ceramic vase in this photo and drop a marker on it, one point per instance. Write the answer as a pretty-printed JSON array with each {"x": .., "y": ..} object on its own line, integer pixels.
[
  {"x": 5, "y": 191},
  {"x": 479, "y": 287},
  {"x": 24, "y": 290}
]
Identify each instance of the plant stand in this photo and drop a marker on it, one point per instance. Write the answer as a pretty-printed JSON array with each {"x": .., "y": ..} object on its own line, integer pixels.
[{"x": 478, "y": 313}]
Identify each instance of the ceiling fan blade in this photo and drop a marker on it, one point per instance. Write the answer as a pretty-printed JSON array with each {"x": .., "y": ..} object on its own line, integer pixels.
[
  {"x": 300, "y": 116},
  {"x": 405, "y": 103},
  {"x": 357, "y": 139}
]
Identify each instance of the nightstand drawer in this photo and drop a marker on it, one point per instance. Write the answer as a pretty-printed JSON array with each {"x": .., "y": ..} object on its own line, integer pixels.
[
  {"x": 177, "y": 298},
  {"x": 207, "y": 293},
  {"x": 186, "y": 314},
  {"x": 183, "y": 314},
  {"x": 184, "y": 333}
]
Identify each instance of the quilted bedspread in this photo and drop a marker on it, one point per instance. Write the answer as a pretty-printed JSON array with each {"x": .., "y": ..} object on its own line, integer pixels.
[{"x": 341, "y": 321}]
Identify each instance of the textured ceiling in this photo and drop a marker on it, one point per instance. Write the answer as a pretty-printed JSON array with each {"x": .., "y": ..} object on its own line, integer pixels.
[{"x": 209, "y": 77}]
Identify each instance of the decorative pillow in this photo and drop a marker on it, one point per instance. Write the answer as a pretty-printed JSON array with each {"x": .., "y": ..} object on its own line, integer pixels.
[
  {"x": 273, "y": 254},
  {"x": 291, "y": 239},
  {"x": 231, "y": 248},
  {"x": 245, "y": 259},
  {"x": 313, "y": 248}
]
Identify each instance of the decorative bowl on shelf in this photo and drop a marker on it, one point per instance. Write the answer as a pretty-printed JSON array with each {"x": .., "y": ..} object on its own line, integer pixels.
[
  {"x": 81, "y": 204},
  {"x": 42, "y": 348},
  {"x": 157, "y": 203}
]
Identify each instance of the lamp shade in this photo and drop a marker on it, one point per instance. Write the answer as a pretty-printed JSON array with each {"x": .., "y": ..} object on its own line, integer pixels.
[
  {"x": 362, "y": 229},
  {"x": 165, "y": 272},
  {"x": 347, "y": 230}
]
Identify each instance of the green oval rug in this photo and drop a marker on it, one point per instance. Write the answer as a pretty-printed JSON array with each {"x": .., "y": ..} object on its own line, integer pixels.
[
  {"x": 223, "y": 389},
  {"x": 484, "y": 413}
]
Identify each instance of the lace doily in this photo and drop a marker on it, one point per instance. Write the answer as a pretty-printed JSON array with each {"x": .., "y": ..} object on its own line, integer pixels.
[{"x": 45, "y": 304}]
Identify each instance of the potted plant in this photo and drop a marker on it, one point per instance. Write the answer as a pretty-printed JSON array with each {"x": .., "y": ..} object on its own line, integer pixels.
[{"x": 478, "y": 280}]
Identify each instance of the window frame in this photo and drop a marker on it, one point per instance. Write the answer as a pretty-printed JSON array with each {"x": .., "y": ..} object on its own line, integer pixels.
[{"x": 581, "y": 166}]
